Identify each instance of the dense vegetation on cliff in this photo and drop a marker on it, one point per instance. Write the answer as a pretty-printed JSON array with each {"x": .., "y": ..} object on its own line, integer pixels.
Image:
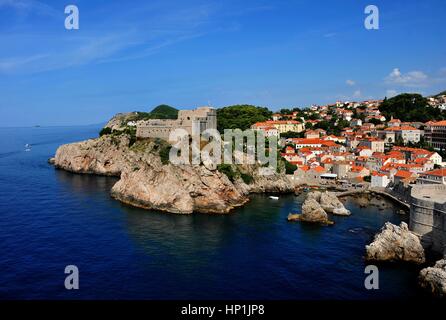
[
  {"x": 410, "y": 107},
  {"x": 241, "y": 116},
  {"x": 162, "y": 111}
]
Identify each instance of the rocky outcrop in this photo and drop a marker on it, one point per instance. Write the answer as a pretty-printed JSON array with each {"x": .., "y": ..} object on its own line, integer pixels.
[
  {"x": 311, "y": 212},
  {"x": 178, "y": 189},
  {"x": 264, "y": 182},
  {"x": 148, "y": 183},
  {"x": 433, "y": 279},
  {"x": 293, "y": 217},
  {"x": 329, "y": 202},
  {"x": 120, "y": 120},
  {"x": 395, "y": 243},
  {"x": 107, "y": 155}
]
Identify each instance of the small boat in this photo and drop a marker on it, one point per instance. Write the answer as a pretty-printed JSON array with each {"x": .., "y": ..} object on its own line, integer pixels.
[
  {"x": 274, "y": 198},
  {"x": 27, "y": 147}
]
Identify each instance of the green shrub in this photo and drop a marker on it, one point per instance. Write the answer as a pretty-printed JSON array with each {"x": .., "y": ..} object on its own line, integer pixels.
[
  {"x": 247, "y": 178},
  {"x": 105, "y": 131},
  {"x": 289, "y": 167},
  {"x": 228, "y": 171},
  {"x": 164, "y": 153}
]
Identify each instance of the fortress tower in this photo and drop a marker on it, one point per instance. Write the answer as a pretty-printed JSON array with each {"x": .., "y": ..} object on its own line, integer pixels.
[{"x": 197, "y": 121}]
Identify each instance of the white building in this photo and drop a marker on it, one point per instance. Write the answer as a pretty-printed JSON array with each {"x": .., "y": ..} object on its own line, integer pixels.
[
  {"x": 379, "y": 180},
  {"x": 437, "y": 176},
  {"x": 406, "y": 133}
]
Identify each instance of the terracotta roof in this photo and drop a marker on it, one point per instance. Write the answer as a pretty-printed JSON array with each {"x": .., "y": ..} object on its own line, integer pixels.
[
  {"x": 376, "y": 173},
  {"x": 403, "y": 128},
  {"x": 421, "y": 160},
  {"x": 403, "y": 174},
  {"x": 436, "y": 172},
  {"x": 407, "y": 149},
  {"x": 357, "y": 168},
  {"x": 438, "y": 123},
  {"x": 318, "y": 169}
]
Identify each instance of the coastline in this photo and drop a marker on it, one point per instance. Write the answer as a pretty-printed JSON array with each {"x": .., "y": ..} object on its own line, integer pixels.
[{"x": 146, "y": 182}]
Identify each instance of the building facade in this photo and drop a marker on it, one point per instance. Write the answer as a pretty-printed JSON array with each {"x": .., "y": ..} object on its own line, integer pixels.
[
  {"x": 282, "y": 126},
  {"x": 437, "y": 176},
  {"x": 376, "y": 145},
  {"x": 435, "y": 134}
]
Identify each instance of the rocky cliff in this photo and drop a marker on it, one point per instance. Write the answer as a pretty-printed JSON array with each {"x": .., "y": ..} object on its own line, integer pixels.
[
  {"x": 147, "y": 182},
  {"x": 119, "y": 121},
  {"x": 395, "y": 243},
  {"x": 433, "y": 279}
]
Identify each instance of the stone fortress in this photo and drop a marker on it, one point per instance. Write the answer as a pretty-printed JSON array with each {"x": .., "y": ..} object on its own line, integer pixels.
[
  {"x": 428, "y": 215},
  {"x": 195, "y": 121}
]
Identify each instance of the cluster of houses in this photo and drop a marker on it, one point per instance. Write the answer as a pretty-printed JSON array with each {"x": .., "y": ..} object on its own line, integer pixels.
[
  {"x": 438, "y": 102},
  {"x": 366, "y": 150}
]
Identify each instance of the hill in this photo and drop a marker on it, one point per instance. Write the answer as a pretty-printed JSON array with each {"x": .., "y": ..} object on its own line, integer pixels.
[
  {"x": 410, "y": 107},
  {"x": 164, "y": 112},
  {"x": 120, "y": 120}
]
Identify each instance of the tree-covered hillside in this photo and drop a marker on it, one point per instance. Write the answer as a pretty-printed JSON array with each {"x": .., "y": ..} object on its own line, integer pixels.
[
  {"x": 410, "y": 107},
  {"x": 164, "y": 112},
  {"x": 241, "y": 116},
  {"x": 160, "y": 112}
]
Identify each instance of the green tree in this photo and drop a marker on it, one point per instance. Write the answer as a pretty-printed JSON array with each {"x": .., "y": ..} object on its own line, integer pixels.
[
  {"x": 241, "y": 116},
  {"x": 289, "y": 167},
  {"x": 375, "y": 121},
  {"x": 292, "y": 134},
  {"x": 324, "y": 124},
  {"x": 285, "y": 111},
  {"x": 104, "y": 131},
  {"x": 410, "y": 107}
]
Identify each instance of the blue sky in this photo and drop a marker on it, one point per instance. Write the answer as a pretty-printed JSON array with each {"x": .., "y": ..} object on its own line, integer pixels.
[{"x": 133, "y": 55}]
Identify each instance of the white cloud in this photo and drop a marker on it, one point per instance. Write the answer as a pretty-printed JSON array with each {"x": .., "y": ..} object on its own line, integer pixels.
[
  {"x": 409, "y": 79},
  {"x": 30, "y": 6},
  {"x": 391, "y": 93},
  {"x": 357, "y": 94},
  {"x": 7, "y": 65},
  {"x": 100, "y": 45},
  {"x": 350, "y": 82}
]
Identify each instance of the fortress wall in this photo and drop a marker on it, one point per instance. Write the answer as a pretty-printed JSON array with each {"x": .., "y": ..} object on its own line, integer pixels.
[
  {"x": 428, "y": 215},
  {"x": 200, "y": 119}
]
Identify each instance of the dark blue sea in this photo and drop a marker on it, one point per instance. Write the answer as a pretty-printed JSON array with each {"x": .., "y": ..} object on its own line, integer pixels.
[{"x": 50, "y": 219}]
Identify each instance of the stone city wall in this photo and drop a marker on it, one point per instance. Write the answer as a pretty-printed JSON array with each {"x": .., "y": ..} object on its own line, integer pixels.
[{"x": 428, "y": 215}]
